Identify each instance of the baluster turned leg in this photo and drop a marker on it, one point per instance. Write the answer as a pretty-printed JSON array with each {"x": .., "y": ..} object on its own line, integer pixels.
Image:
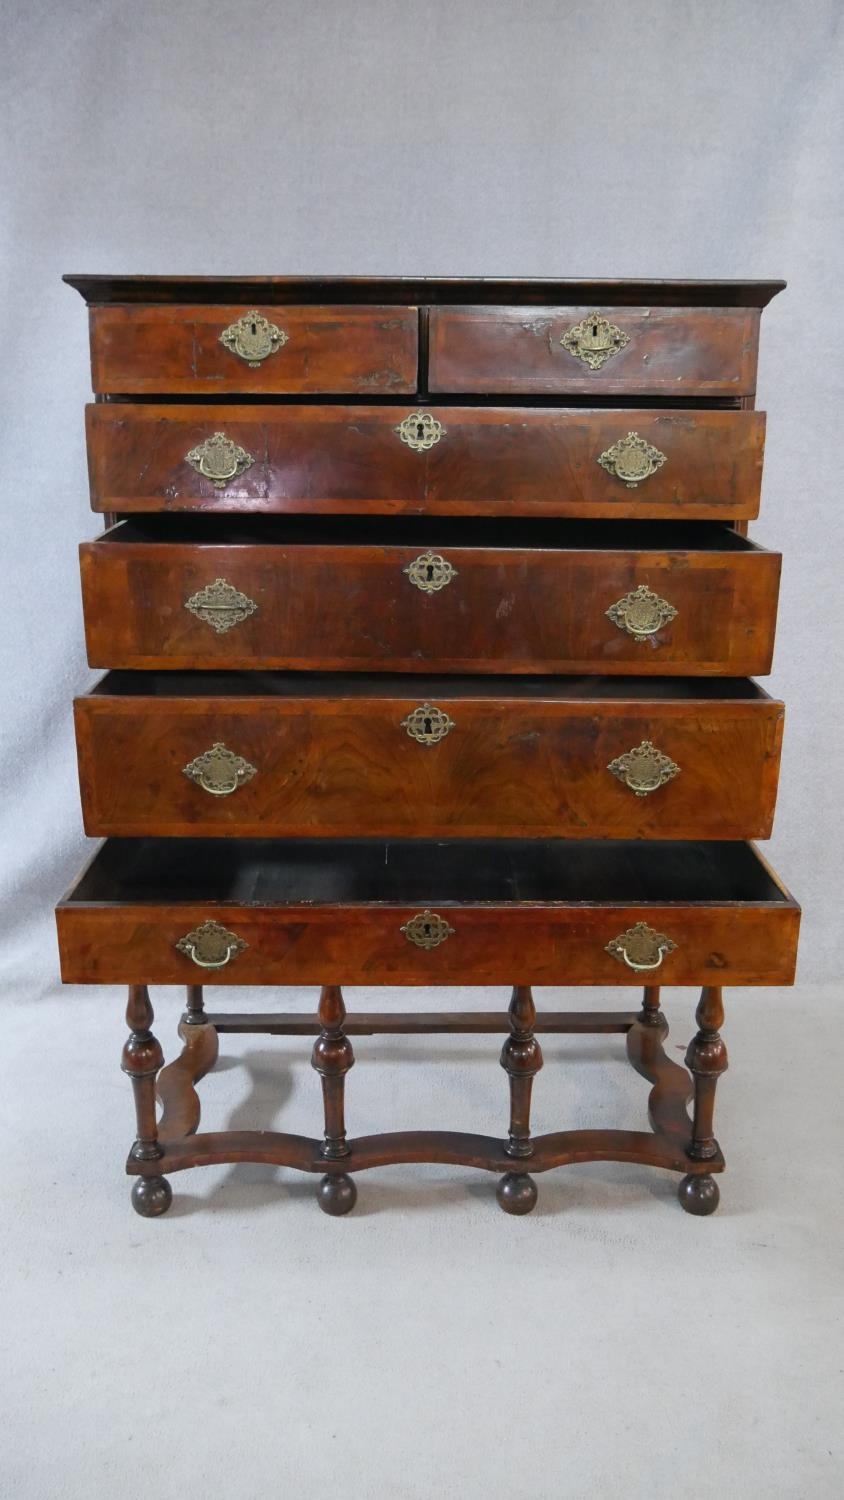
[
  {"x": 332, "y": 1058},
  {"x": 521, "y": 1057},
  {"x": 142, "y": 1058},
  {"x": 650, "y": 1014},
  {"x": 195, "y": 1013},
  {"x": 706, "y": 1060}
]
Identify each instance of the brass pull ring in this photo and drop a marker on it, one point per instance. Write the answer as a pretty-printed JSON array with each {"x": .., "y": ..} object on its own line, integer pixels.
[
  {"x": 211, "y": 946},
  {"x": 219, "y": 459},
  {"x": 644, "y": 769},
  {"x": 640, "y": 948},
  {"x": 219, "y": 771}
]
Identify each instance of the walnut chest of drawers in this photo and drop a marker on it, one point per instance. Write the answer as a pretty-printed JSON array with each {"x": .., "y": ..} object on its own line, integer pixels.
[{"x": 428, "y": 616}]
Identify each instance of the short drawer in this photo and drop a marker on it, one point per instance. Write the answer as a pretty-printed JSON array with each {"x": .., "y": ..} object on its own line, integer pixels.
[
  {"x": 211, "y": 350},
  {"x": 654, "y": 351},
  {"x": 207, "y": 754},
  {"x": 442, "y": 460},
  {"x": 504, "y": 596},
  {"x": 173, "y": 911}
]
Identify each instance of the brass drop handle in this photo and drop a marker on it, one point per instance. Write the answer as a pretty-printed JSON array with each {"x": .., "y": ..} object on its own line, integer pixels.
[
  {"x": 644, "y": 769},
  {"x": 640, "y": 948},
  {"x": 632, "y": 460},
  {"x": 641, "y": 613},
  {"x": 219, "y": 459},
  {"x": 219, "y": 771},
  {"x": 211, "y": 946}
]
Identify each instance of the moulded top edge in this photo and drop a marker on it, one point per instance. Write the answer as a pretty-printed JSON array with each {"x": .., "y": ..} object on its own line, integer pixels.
[{"x": 433, "y": 290}]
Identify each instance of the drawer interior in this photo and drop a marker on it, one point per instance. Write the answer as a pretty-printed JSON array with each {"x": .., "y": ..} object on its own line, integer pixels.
[
  {"x": 443, "y": 532},
  {"x": 321, "y": 872},
  {"x": 233, "y": 685}
]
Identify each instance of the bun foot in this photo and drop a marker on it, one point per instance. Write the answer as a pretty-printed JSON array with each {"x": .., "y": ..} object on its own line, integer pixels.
[
  {"x": 337, "y": 1194},
  {"x": 699, "y": 1195},
  {"x": 151, "y": 1196},
  {"x": 516, "y": 1193}
]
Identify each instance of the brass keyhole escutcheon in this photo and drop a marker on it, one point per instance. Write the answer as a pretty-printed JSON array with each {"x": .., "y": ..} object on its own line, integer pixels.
[
  {"x": 427, "y": 725},
  {"x": 427, "y": 929},
  {"x": 253, "y": 338},
  {"x": 420, "y": 431},
  {"x": 221, "y": 605},
  {"x": 594, "y": 340},
  {"x": 430, "y": 572}
]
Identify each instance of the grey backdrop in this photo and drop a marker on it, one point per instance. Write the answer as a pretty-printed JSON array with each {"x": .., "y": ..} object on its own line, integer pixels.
[{"x": 584, "y": 139}]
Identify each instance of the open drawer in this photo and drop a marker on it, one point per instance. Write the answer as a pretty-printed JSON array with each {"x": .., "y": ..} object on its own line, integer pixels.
[
  {"x": 368, "y": 912},
  {"x": 291, "y": 755},
  {"x": 398, "y": 594}
]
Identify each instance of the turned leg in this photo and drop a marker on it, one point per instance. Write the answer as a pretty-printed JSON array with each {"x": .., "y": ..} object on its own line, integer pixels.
[
  {"x": 650, "y": 1014},
  {"x": 142, "y": 1058},
  {"x": 194, "y": 1015},
  {"x": 706, "y": 1060},
  {"x": 332, "y": 1058},
  {"x": 521, "y": 1058}
]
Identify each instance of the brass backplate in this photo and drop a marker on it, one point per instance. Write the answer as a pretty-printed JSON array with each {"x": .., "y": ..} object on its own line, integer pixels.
[
  {"x": 253, "y": 337},
  {"x": 219, "y": 771},
  {"x": 221, "y": 605},
  {"x": 640, "y": 947},
  {"x": 430, "y": 572},
  {"x": 219, "y": 459},
  {"x": 632, "y": 460},
  {"x": 427, "y": 725},
  {"x": 211, "y": 946},
  {"x": 641, "y": 612},
  {"x": 427, "y": 929},
  {"x": 644, "y": 769},
  {"x": 594, "y": 340}
]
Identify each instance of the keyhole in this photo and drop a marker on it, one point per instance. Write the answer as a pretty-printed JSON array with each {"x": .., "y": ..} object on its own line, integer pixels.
[
  {"x": 427, "y": 929},
  {"x": 594, "y": 330},
  {"x": 420, "y": 431},
  {"x": 428, "y": 726},
  {"x": 254, "y": 328},
  {"x": 430, "y": 570}
]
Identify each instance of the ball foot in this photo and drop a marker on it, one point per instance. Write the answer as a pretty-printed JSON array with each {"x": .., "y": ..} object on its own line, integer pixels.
[
  {"x": 699, "y": 1195},
  {"x": 151, "y": 1196},
  {"x": 337, "y": 1194},
  {"x": 516, "y": 1193}
]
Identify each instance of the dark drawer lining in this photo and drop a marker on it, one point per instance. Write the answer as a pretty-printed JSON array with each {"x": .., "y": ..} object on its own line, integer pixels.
[{"x": 327, "y": 872}]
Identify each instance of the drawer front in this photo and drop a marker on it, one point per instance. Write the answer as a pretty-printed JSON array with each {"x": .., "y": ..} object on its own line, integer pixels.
[
  {"x": 359, "y": 608},
  {"x": 493, "y": 944},
  {"x": 407, "y": 767},
  {"x": 209, "y": 350},
  {"x": 657, "y": 351},
  {"x": 445, "y": 460}
]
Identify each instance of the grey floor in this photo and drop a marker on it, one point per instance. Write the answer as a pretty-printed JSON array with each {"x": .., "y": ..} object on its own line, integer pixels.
[{"x": 427, "y": 1346}]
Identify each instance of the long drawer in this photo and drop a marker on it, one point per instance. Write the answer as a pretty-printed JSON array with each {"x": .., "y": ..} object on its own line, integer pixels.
[
  {"x": 682, "y": 464},
  {"x": 274, "y": 755},
  {"x": 223, "y": 350},
  {"x": 405, "y": 596},
  {"x": 235, "y": 912},
  {"x": 654, "y": 351}
]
